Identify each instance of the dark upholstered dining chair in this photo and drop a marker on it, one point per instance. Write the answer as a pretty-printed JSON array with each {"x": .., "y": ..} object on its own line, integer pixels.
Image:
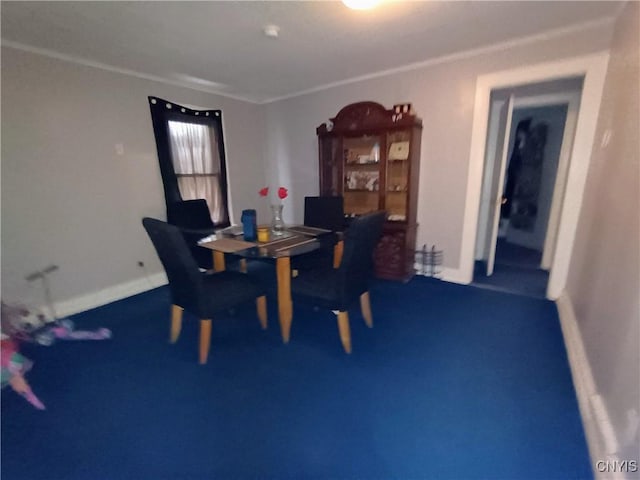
[
  {"x": 338, "y": 288},
  {"x": 202, "y": 294},
  {"x": 193, "y": 219},
  {"x": 324, "y": 212},
  {"x": 327, "y": 213}
]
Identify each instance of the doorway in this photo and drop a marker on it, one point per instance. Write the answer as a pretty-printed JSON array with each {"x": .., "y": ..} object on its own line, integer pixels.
[
  {"x": 529, "y": 140},
  {"x": 592, "y": 68}
]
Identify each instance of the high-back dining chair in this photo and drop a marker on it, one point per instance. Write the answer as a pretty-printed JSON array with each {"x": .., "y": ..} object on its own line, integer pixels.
[
  {"x": 324, "y": 212},
  {"x": 193, "y": 219},
  {"x": 337, "y": 289},
  {"x": 327, "y": 213},
  {"x": 201, "y": 294}
]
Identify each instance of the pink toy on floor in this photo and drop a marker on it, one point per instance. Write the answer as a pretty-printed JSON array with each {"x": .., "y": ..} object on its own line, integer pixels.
[
  {"x": 67, "y": 334},
  {"x": 64, "y": 330},
  {"x": 18, "y": 323},
  {"x": 14, "y": 366}
]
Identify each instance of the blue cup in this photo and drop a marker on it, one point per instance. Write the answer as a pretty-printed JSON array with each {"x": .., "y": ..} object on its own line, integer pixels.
[{"x": 249, "y": 226}]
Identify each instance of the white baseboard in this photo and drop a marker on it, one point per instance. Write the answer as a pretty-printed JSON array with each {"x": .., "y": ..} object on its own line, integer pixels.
[
  {"x": 109, "y": 294},
  {"x": 455, "y": 275},
  {"x": 445, "y": 274},
  {"x": 601, "y": 437}
]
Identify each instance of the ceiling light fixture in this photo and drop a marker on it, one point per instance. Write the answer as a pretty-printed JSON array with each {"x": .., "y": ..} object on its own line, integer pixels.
[
  {"x": 361, "y": 4},
  {"x": 271, "y": 31}
]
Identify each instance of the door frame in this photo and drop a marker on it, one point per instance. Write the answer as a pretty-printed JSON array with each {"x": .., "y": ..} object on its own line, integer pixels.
[
  {"x": 593, "y": 68},
  {"x": 570, "y": 98}
]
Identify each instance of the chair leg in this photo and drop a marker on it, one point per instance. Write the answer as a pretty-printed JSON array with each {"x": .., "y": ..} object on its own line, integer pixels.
[
  {"x": 205, "y": 339},
  {"x": 338, "y": 251},
  {"x": 243, "y": 265},
  {"x": 345, "y": 333},
  {"x": 365, "y": 307},
  {"x": 261, "y": 307},
  {"x": 176, "y": 323}
]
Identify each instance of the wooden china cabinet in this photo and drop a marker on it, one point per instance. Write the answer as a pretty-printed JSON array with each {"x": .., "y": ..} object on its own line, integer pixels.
[{"x": 371, "y": 156}]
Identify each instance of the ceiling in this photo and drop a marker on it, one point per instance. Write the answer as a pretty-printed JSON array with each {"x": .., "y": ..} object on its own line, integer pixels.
[{"x": 220, "y": 46}]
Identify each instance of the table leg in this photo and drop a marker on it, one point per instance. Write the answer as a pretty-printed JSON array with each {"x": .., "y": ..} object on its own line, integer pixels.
[
  {"x": 285, "y": 304},
  {"x": 218, "y": 261}
]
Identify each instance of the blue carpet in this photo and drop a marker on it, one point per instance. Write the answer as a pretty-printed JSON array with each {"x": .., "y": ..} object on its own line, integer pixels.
[
  {"x": 512, "y": 279},
  {"x": 516, "y": 270},
  {"x": 517, "y": 255},
  {"x": 451, "y": 383}
]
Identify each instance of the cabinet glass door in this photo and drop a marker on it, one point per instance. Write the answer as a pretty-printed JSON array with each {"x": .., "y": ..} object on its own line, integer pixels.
[
  {"x": 361, "y": 167},
  {"x": 330, "y": 166},
  {"x": 397, "y": 178}
]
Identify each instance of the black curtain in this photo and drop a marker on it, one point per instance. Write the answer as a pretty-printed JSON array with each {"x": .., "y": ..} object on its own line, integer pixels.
[{"x": 162, "y": 111}]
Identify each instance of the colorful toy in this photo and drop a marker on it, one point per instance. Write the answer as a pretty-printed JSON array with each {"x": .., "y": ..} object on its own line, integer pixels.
[
  {"x": 64, "y": 330},
  {"x": 21, "y": 323},
  {"x": 25, "y": 324},
  {"x": 14, "y": 367}
]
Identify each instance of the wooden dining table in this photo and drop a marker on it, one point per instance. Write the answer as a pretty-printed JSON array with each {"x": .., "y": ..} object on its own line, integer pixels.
[{"x": 293, "y": 242}]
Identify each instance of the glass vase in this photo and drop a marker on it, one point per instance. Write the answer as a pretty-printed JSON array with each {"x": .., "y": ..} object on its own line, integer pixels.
[{"x": 277, "y": 223}]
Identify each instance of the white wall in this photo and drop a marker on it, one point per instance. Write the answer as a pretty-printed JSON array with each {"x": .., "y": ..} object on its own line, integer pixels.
[
  {"x": 443, "y": 96},
  {"x": 69, "y": 199},
  {"x": 604, "y": 274}
]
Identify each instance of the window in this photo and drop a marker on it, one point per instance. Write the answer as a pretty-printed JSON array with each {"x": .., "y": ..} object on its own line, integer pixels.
[
  {"x": 192, "y": 156},
  {"x": 196, "y": 163}
]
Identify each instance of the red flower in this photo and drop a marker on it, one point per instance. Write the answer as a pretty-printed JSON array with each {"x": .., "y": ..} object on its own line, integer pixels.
[
  {"x": 264, "y": 191},
  {"x": 282, "y": 193}
]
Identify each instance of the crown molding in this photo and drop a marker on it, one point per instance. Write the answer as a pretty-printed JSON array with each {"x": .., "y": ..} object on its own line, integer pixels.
[
  {"x": 455, "y": 56},
  {"x": 382, "y": 73},
  {"x": 123, "y": 71}
]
